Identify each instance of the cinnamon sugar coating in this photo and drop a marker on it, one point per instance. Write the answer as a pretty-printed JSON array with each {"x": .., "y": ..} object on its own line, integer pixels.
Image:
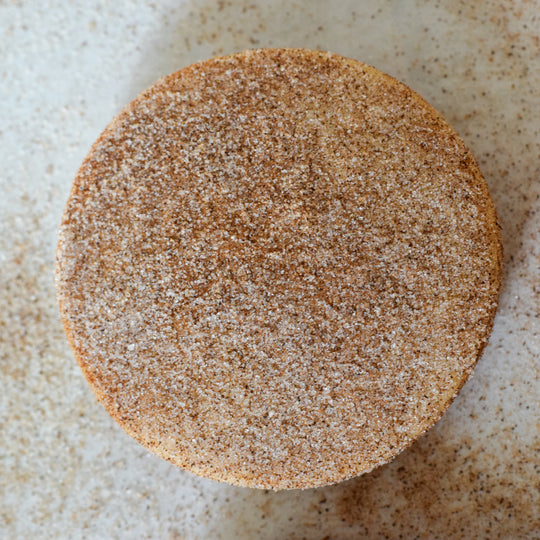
[{"x": 278, "y": 268}]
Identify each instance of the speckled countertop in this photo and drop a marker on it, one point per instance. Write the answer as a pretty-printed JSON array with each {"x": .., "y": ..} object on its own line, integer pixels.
[{"x": 66, "y": 469}]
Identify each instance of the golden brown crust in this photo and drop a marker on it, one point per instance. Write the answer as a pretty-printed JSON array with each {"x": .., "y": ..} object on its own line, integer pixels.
[{"x": 278, "y": 268}]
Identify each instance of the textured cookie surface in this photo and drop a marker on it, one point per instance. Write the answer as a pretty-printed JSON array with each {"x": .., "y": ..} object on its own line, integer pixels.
[{"x": 278, "y": 268}]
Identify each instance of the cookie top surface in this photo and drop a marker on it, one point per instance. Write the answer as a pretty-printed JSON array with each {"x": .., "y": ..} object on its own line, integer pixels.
[{"x": 278, "y": 268}]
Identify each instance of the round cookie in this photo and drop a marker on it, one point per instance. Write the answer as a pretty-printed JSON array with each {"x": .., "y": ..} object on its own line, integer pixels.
[{"x": 278, "y": 268}]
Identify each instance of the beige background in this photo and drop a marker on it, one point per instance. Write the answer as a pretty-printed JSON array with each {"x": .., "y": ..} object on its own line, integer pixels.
[{"x": 66, "y": 469}]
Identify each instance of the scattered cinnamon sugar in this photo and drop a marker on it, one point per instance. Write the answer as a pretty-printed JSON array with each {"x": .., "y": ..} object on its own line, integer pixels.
[{"x": 278, "y": 268}]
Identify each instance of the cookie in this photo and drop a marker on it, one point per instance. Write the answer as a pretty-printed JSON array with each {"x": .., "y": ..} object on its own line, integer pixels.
[{"x": 278, "y": 268}]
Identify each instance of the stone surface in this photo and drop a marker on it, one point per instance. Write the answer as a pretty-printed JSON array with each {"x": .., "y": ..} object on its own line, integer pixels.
[{"x": 66, "y": 469}]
